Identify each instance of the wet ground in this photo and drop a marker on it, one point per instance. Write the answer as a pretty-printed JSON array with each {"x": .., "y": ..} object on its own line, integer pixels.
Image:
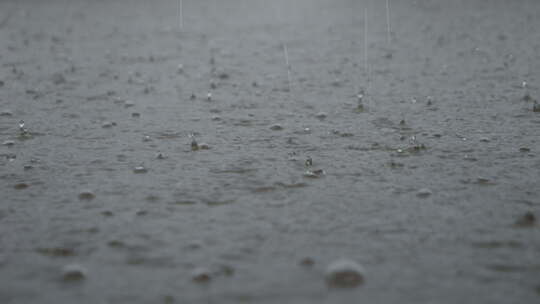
[{"x": 432, "y": 186}]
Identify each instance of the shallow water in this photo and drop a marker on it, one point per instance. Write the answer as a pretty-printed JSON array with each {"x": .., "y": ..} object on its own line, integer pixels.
[{"x": 244, "y": 210}]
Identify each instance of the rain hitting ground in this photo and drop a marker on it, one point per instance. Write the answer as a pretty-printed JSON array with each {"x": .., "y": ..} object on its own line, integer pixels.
[{"x": 236, "y": 151}]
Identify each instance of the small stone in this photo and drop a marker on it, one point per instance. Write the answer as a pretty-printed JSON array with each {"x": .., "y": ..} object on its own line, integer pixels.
[
  {"x": 524, "y": 149},
  {"x": 526, "y": 220},
  {"x": 193, "y": 96},
  {"x": 161, "y": 156},
  {"x": 180, "y": 68},
  {"x": 73, "y": 272},
  {"x": 201, "y": 275},
  {"x": 140, "y": 170},
  {"x": 309, "y": 162},
  {"x": 216, "y": 118},
  {"x": 424, "y": 192},
  {"x": 209, "y": 96},
  {"x": 321, "y": 115},
  {"x": 146, "y": 138},
  {"x": 344, "y": 274},
  {"x": 87, "y": 195},
  {"x": 8, "y": 143},
  {"x": 129, "y": 104},
  {"x": 136, "y": 115},
  {"x": 276, "y": 127}
]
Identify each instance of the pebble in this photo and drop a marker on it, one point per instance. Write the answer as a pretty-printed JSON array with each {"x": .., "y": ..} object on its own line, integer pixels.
[
  {"x": 128, "y": 104},
  {"x": 424, "y": 192},
  {"x": 136, "y": 115},
  {"x": 321, "y": 115},
  {"x": 87, "y": 195},
  {"x": 8, "y": 143},
  {"x": 146, "y": 138},
  {"x": 180, "y": 68},
  {"x": 201, "y": 275},
  {"x": 73, "y": 272},
  {"x": 209, "y": 96},
  {"x": 344, "y": 274},
  {"x": 140, "y": 169},
  {"x": 161, "y": 156}
]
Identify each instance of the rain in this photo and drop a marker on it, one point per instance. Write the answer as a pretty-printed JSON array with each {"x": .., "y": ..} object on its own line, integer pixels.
[{"x": 254, "y": 151}]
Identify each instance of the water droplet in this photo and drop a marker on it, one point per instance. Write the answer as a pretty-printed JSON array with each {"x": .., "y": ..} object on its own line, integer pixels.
[
  {"x": 276, "y": 127},
  {"x": 344, "y": 274},
  {"x": 194, "y": 145},
  {"x": 201, "y": 275},
  {"x": 107, "y": 124},
  {"x": 8, "y": 143},
  {"x": 314, "y": 173},
  {"x": 73, "y": 272},
  {"x": 86, "y": 195},
  {"x": 6, "y": 113},
  {"x": 321, "y": 115},
  {"x": 424, "y": 192},
  {"x": 140, "y": 170}
]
